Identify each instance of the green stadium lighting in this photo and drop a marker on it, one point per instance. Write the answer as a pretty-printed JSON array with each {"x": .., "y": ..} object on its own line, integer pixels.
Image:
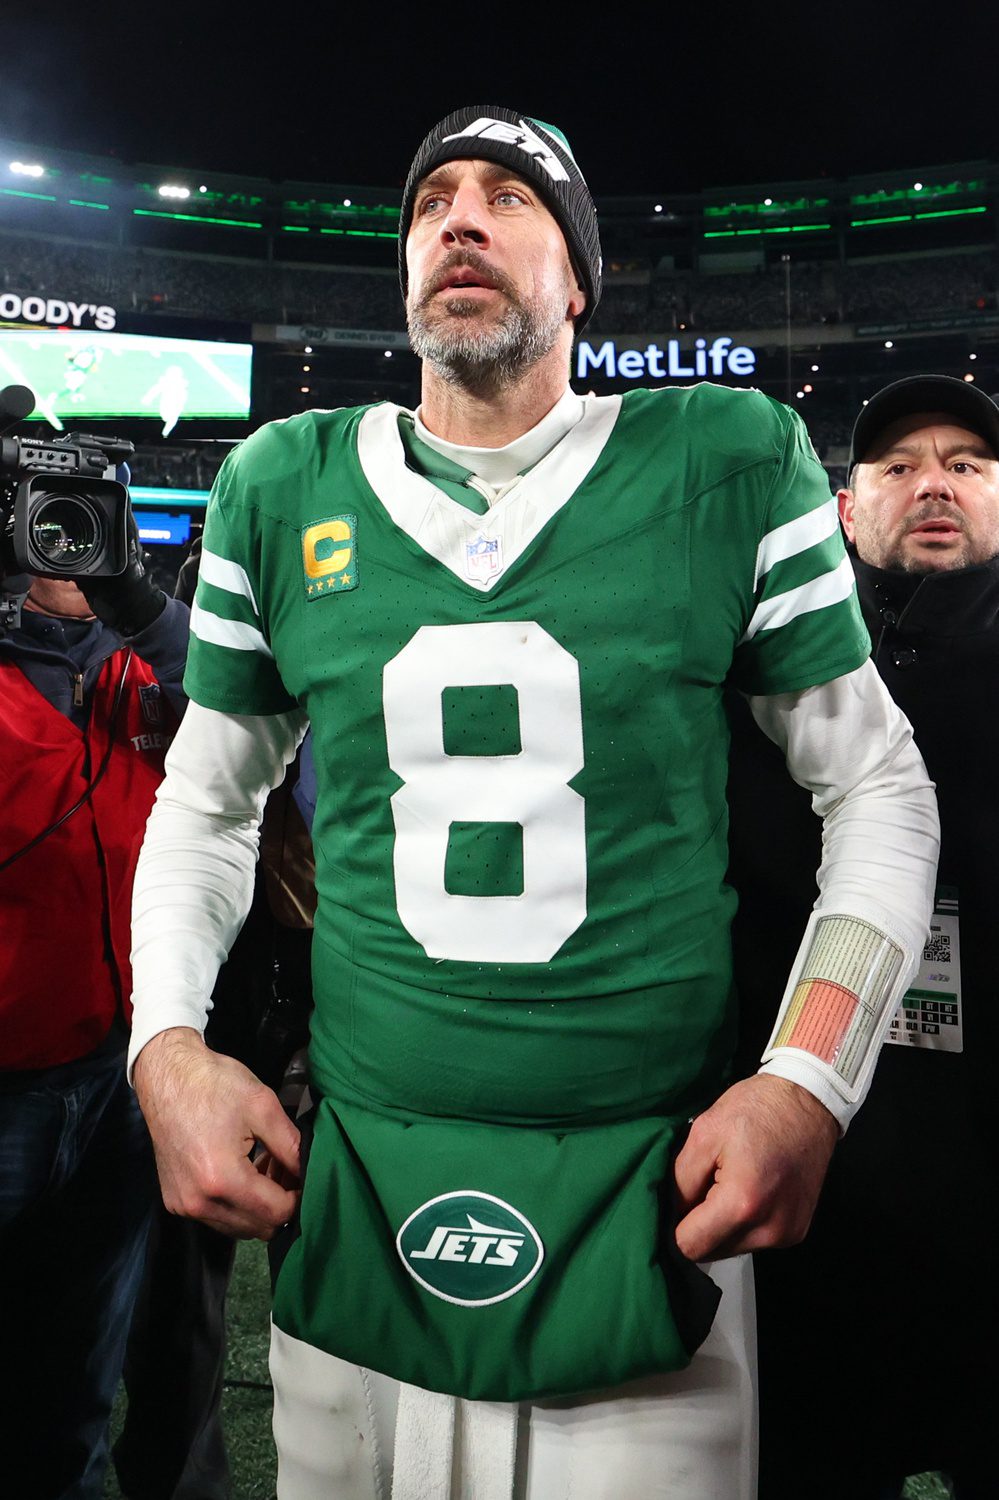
[
  {"x": 152, "y": 213},
  {"x": 934, "y": 213},
  {"x": 951, "y": 213},
  {"x": 731, "y": 234},
  {"x": 21, "y": 193},
  {"x": 769, "y": 205}
]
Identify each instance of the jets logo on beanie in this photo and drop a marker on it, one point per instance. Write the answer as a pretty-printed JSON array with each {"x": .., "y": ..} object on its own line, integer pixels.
[{"x": 538, "y": 153}]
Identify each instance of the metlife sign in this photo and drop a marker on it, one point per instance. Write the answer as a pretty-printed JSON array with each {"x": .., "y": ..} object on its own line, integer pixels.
[{"x": 720, "y": 358}]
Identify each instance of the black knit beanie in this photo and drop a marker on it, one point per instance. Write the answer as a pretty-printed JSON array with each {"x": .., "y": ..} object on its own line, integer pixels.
[{"x": 535, "y": 151}]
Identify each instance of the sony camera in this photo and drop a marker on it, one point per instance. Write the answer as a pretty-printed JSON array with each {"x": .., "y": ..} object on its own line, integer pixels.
[{"x": 63, "y": 514}]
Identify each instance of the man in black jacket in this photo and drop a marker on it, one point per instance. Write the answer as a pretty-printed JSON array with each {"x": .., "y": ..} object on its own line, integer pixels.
[{"x": 876, "y": 1332}]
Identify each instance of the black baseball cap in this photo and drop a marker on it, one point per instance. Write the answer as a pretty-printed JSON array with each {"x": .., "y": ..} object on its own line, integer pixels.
[{"x": 918, "y": 393}]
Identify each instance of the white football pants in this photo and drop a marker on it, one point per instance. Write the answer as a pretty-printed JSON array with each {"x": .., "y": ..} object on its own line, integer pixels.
[{"x": 345, "y": 1433}]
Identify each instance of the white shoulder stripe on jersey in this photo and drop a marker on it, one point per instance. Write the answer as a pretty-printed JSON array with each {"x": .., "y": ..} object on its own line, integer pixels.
[
  {"x": 795, "y": 536},
  {"x": 828, "y": 588},
  {"x": 232, "y": 633},
  {"x": 227, "y": 575}
]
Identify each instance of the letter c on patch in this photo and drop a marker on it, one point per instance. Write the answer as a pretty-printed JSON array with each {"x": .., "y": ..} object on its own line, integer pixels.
[{"x": 319, "y": 557}]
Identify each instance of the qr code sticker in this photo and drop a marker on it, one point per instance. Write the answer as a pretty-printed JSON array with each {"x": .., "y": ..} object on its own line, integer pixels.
[{"x": 937, "y": 950}]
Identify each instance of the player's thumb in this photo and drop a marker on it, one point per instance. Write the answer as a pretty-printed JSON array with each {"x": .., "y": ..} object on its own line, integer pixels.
[
  {"x": 699, "y": 1233},
  {"x": 693, "y": 1172},
  {"x": 276, "y": 1133},
  {"x": 694, "y": 1196}
]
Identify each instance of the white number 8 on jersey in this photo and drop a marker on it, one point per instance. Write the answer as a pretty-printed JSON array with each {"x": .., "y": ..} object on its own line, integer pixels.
[{"x": 529, "y": 788}]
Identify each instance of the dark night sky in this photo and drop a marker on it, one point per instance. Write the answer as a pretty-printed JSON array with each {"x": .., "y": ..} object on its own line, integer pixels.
[{"x": 664, "y": 98}]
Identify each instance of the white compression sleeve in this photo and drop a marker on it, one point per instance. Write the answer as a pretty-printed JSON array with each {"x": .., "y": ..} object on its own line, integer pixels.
[
  {"x": 194, "y": 881},
  {"x": 848, "y": 743}
]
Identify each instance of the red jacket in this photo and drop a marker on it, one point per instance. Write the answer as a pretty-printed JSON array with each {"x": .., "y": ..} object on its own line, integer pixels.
[{"x": 65, "y": 907}]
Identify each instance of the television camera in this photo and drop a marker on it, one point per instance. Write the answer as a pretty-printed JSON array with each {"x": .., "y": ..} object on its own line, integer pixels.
[{"x": 63, "y": 514}]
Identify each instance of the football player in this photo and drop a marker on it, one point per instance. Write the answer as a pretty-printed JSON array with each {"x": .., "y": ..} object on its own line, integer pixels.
[{"x": 508, "y": 617}]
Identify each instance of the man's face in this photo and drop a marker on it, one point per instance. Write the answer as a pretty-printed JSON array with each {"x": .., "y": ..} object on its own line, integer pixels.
[
  {"x": 926, "y": 500},
  {"x": 491, "y": 289}
]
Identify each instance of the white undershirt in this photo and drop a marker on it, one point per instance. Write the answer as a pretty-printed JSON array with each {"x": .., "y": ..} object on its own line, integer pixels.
[{"x": 495, "y": 471}]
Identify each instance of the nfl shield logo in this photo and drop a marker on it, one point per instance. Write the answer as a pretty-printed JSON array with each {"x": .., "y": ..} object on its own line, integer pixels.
[
  {"x": 152, "y": 703},
  {"x": 483, "y": 557}
]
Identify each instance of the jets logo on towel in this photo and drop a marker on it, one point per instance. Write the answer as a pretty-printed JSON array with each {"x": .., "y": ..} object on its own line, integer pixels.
[{"x": 470, "y": 1248}]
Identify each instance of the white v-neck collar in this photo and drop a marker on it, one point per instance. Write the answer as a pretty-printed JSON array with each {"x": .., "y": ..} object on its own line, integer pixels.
[
  {"x": 479, "y": 549},
  {"x": 499, "y": 466}
]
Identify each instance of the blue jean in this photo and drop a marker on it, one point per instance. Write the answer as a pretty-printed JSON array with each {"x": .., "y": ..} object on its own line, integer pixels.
[
  {"x": 172, "y": 1446},
  {"x": 76, "y": 1192}
]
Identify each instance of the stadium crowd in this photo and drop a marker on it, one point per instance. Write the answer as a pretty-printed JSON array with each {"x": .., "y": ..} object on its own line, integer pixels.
[
  {"x": 178, "y": 466},
  {"x": 242, "y": 290},
  {"x": 182, "y": 285}
]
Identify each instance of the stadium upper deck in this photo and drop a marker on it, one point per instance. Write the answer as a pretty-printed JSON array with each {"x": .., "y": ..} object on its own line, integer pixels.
[
  {"x": 833, "y": 287},
  {"x": 157, "y": 207}
]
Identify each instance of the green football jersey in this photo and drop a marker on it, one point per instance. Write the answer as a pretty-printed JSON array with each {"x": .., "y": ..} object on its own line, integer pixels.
[{"x": 518, "y": 732}]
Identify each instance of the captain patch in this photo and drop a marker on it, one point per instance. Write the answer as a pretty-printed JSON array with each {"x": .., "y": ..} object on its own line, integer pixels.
[{"x": 329, "y": 556}]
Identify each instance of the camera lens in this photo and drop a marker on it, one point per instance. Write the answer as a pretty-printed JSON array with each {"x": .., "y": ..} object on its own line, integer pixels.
[{"x": 66, "y": 531}]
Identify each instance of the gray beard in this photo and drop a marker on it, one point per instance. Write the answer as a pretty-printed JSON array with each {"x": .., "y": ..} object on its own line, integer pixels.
[{"x": 484, "y": 360}]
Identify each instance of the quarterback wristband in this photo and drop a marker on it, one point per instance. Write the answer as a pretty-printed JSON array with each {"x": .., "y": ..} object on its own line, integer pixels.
[{"x": 844, "y": 989}]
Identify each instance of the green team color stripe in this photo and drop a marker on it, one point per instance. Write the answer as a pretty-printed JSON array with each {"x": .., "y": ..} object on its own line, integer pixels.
[{"x": 814, "y": 562}]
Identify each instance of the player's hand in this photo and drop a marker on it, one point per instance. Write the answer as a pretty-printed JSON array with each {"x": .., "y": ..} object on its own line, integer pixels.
[
  {"x": 206, "y": 1113},
  {"x": 127, "y": 601},
  {"x": 750, "y": 1172}
]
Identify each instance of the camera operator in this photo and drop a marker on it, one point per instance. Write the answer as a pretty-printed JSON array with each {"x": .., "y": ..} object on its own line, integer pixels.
[{"x": 90, "y": 695}]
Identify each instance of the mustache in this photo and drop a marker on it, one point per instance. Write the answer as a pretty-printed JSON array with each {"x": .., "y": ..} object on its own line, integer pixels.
[
  {"x": 470, "y": 260},
  {"x": 934, "y": 510}
]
